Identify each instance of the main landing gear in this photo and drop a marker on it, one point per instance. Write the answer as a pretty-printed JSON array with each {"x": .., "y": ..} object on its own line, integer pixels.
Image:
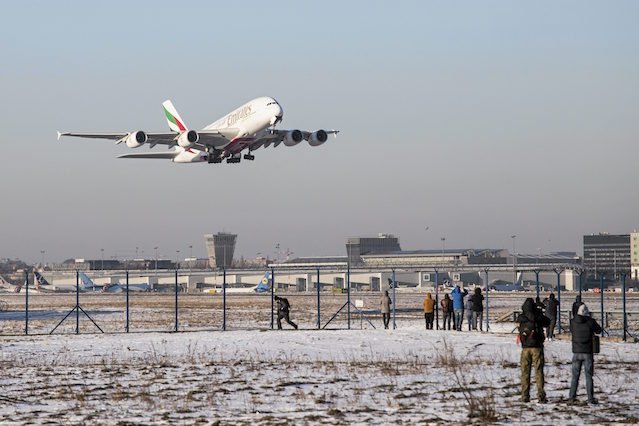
[{"x": 249, "y": 157}]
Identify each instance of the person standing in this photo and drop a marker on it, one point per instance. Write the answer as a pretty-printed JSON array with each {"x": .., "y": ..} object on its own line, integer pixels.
[
  {"x": 478, "y": 309},
  {"x": 385, "y": 305},
  {"x": 468, "y": 305},
  {"x": 552, "y": 310},
  {"x": 576, "y": 305},
  {"x": 531, "y": 336},
  {"x": 583, "y": 329},
  {"x": 429, "y": 311},
  {"x": 447, "y": 310},
  {"x": 283, "y": 308},
  {"x": 458, "y": 306}
]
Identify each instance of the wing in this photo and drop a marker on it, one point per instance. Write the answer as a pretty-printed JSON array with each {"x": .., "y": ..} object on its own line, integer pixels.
[
  {"x": 275, "y": 137},
  {"x": 207, "y": 138},
  {"x": 152, "y": 155}
]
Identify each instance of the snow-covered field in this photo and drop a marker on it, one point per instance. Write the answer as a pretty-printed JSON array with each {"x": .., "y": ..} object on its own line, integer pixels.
[{"x": 408, "y": 375}]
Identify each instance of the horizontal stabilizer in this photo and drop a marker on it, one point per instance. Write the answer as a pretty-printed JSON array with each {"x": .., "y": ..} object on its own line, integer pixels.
[{"x": 170, "y": 155}]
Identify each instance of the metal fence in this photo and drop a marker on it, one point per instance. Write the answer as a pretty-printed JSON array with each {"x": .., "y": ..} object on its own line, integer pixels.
[{"x": 175, "y": 310}]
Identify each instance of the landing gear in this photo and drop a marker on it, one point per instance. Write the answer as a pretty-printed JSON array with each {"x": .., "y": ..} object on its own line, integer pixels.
[
  {"x": 249, "y": 157},
  {"x": 215, "y": 156},
  {"x": 233, "y": 160}
]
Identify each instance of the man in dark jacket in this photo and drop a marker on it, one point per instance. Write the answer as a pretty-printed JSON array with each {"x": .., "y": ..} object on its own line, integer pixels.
[
  {"x": 552, "y": 307},
  {"x": 283, "y": 308},
  {"x": 583, "y": 329},
  {"x": 478, "y": 308},
  {"x": 531, "y": 335},
  {"x": 447, "y": 310}
]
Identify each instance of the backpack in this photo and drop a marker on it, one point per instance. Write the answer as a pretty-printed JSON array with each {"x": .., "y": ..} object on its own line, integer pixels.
[{"x": 529, "y": 334}]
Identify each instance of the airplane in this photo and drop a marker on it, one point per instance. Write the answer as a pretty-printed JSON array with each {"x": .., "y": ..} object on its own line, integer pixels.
[
  {"x": 501, "y": 285},
  {"x": 41, "y": 284},
  {"x": 87, "y": 284},
  {"x": 264, "y": 286},
  {"x": 249, "y": 127}
]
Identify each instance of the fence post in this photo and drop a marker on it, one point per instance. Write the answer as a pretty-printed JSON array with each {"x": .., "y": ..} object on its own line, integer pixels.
[
  {"x": 601, "y": 299},
  {"x": 318, "y": 299},
  {"x": 176, "y": 300},
  {"x": 486, "y": 276},
  {"x": 26, "y": 300},
  {"x": 224, "y": 298},
  {"x": 558, "y": 272},
  {"x": 348, "y": 290},
  {"x": 623, "y": 298},
  {"x": 77, "y": 301},
  {"x": 537, "y": 284},
  {"x": 272, "y": 296},
  {"x": 394, "y": 285},
  {"x": 437, "y": 306},
  {"x": 126, "y": 327}
]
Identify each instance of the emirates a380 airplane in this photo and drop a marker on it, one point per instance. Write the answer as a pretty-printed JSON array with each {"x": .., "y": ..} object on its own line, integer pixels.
[{"x": 249, "y": 127}]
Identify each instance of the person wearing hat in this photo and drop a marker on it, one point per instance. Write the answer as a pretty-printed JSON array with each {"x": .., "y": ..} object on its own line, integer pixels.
[{"x": 583, "y": 329}]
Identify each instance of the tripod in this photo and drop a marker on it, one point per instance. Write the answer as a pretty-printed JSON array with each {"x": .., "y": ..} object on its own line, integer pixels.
[{"x": 77, "y": 308}]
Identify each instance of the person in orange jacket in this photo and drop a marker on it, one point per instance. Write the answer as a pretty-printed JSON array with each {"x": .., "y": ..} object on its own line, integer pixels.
[{"x": 429, "y": 311}]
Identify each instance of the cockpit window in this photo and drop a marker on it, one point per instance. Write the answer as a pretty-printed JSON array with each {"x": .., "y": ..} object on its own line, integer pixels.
[{"x": 271, "y": 103}]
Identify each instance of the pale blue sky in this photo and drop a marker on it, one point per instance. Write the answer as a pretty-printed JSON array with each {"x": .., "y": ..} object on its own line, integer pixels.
[{"x": 477, "y": 119}]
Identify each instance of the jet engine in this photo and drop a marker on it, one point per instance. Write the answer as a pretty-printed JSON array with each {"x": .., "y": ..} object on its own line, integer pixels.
[
  {"x": 317, "y": 138},
  {"x": 187, "y": 139},
  {"x": 293, "y": 138},
  {"x": 136, "y": 139}
]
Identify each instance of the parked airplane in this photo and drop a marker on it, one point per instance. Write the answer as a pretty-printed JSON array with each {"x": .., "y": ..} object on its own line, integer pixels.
[
  {"x": 501, "y": 285},
  {"x": 41, "y": 284},
  {"x": 263, "y": 286},
  {"x": 249, "y": 127},
  {"x": 87, "y": 284}
]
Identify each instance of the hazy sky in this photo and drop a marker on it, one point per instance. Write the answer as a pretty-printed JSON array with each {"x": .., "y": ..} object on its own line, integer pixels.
[{"x": 479, "y": 120}]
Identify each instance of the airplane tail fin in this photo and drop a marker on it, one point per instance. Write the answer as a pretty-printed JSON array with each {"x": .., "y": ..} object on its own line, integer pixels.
[
  {"x": 520, "y": 277},
  {"x": 40, "y": 280},
  {"x": 86, "y": 282},
  {"x": 265, "y": 283},
  {"x": 173, "y": 118}
]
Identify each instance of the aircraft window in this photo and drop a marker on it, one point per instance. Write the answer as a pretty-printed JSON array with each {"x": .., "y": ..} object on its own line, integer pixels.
[{"x": 271, "y": 103}]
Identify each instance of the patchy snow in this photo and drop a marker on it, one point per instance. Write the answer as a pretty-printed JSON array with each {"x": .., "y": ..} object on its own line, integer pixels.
[{"x": 305, "y": 376}]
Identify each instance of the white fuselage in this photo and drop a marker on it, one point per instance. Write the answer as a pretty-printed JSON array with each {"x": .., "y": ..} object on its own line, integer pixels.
[{"x": 250, "y": 121}]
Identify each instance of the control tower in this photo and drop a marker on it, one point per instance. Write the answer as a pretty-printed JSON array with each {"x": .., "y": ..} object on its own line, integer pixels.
[{"x": 220, "y": 248}]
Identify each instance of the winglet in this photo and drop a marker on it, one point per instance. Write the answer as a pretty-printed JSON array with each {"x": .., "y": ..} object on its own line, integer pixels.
[
  {"x": 172, "y": 117},
  {"x": 59, "y": 134}
]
